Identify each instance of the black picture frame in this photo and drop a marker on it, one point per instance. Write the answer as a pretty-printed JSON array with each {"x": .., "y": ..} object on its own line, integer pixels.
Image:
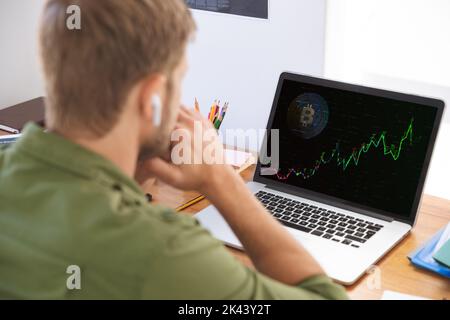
[{"x": 248, "y": 8}]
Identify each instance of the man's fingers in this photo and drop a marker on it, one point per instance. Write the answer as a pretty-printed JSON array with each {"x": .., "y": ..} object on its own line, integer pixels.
[
  {"x": 165, "y": 171},
  {"x": 190, "y": 114},
  {"x": 167, "y": 155},
  {"x": 184, "y": 119}
]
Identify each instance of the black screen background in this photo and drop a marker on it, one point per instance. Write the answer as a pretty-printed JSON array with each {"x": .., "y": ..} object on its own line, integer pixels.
[{"x": 378, "y": 181}]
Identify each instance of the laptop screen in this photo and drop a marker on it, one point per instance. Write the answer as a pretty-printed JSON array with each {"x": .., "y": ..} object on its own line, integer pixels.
[{"x": 365, "y": 149}]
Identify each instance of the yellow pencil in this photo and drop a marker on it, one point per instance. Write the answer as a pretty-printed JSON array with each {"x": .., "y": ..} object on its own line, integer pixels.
[
  {"x": 190, "y": 203},
  {"x": 213, "y": 111}
]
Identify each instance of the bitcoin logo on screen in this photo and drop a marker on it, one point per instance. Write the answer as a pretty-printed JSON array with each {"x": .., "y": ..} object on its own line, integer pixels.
[{"x": 308, "y": 115}]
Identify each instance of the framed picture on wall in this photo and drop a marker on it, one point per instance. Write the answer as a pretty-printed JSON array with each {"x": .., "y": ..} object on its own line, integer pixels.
[{"x": 248, "y": 8}]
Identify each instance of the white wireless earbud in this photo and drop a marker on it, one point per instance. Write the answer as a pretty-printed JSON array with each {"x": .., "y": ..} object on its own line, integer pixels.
[{"x": 157, "y": 109}]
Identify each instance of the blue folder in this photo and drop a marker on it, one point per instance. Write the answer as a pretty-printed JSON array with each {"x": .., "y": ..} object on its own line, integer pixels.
[
  {"x": 6, "y": 140},
  {"x": 423, "y": 257}
]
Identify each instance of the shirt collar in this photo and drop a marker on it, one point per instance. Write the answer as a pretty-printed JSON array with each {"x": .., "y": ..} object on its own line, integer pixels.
[{"x": 69, "y": 156}]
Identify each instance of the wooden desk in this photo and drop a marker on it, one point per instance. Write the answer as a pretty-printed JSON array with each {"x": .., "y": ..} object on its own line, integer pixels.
[{"x": 395, "y": 271}]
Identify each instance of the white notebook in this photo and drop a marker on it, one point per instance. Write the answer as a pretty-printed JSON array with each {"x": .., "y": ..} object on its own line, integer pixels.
[
  {"x": 392, "y": 295},
  {"x": 239, "y": 159}
]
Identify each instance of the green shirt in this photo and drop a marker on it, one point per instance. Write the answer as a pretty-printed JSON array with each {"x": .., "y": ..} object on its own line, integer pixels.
[{"x": 62, "y": 205}]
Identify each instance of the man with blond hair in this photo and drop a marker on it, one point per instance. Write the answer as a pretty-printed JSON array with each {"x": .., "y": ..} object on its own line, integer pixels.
[{"x": 75, "y": 224}]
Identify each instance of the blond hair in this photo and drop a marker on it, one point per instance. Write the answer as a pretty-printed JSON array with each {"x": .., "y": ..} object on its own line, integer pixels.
[{"x": 89, "y": 72}]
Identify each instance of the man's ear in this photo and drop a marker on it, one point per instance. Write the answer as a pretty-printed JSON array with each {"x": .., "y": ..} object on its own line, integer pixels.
[{"x": 150, "y": 106}]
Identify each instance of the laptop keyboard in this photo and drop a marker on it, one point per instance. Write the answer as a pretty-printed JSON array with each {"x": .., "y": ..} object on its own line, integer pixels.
[{"x": 319, "y": 222}]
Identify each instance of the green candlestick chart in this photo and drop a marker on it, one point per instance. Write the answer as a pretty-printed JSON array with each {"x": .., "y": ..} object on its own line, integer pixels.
[{"x": 378, "y": 142}]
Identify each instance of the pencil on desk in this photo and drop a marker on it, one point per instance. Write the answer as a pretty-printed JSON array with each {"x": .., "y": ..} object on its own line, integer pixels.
[{"x": 190, "y": 203}]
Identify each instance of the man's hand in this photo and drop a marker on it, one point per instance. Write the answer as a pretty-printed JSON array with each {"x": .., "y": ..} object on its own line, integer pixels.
[
  {"x": 272, "y": 250},
  {"x": 202, "y": 177}
]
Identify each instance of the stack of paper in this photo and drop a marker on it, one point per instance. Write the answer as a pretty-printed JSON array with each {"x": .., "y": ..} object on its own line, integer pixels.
[
  {"x": 442, "y": 251},
  {"x": 392, "y": 295},
  {"x": 240, "y": 160},
  {"x": 434, "y": 255}
]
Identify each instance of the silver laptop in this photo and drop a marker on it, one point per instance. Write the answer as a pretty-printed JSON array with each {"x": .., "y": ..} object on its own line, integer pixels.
[{"x": 352, "y": 166}]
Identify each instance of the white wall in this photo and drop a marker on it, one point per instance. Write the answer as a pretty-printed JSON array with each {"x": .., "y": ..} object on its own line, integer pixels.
[
  {"x": 233, "y": 58},
  {"x": 403, "y": 45},
  {"x": 19, "y": 68},
  {"x": 240, "y": 59}
]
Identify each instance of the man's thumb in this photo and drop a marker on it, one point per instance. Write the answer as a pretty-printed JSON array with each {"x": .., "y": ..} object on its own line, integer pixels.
[{"x": 164, "y": 171}]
